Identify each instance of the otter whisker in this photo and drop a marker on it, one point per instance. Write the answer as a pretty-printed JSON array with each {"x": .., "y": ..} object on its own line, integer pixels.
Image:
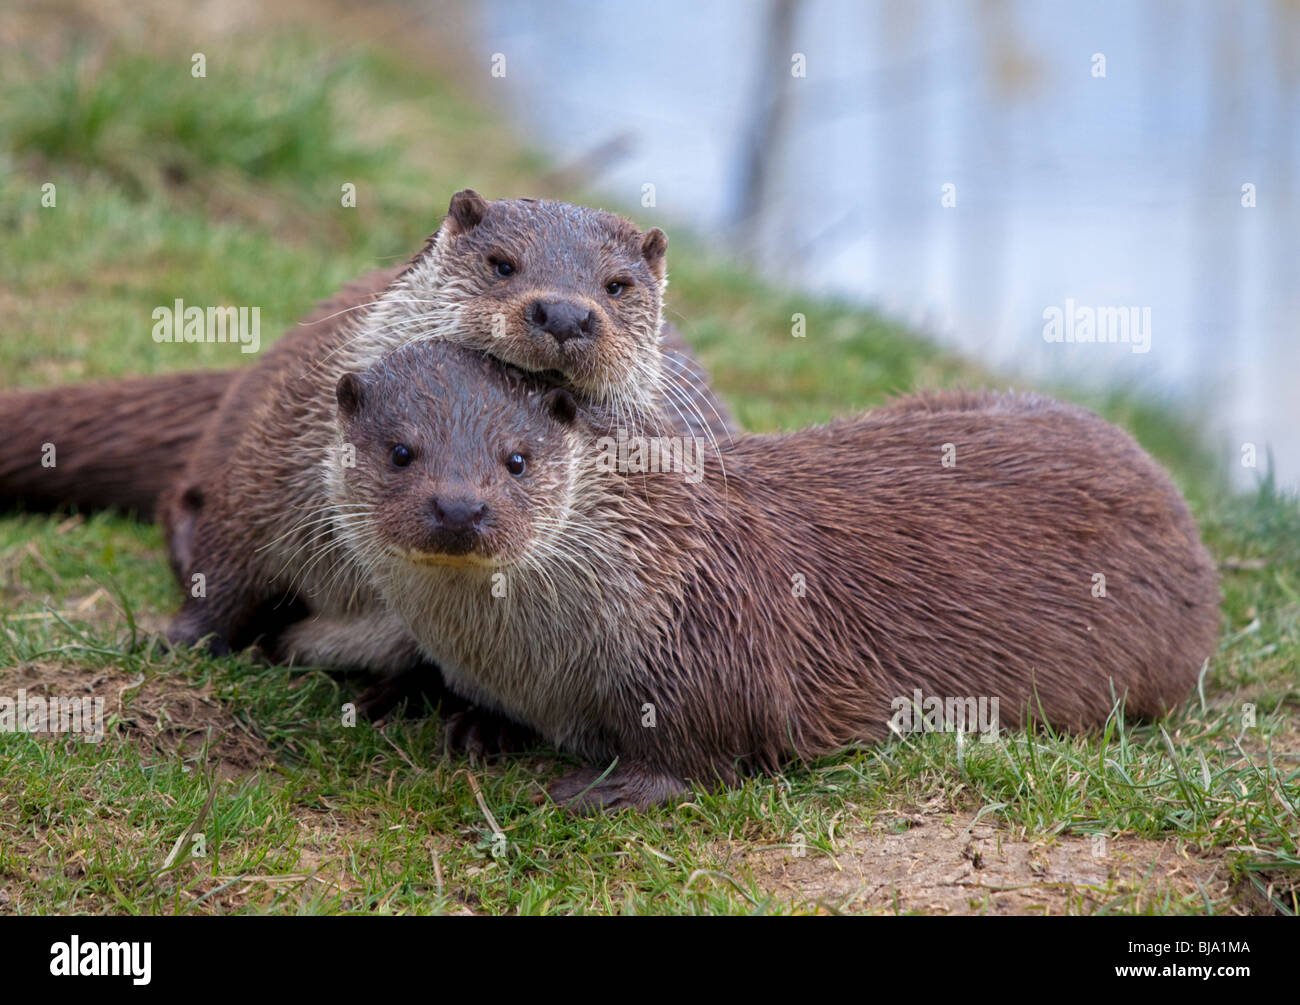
[
  {"x": 367, "y": 305},
  {"x": 333, "y": 542}
]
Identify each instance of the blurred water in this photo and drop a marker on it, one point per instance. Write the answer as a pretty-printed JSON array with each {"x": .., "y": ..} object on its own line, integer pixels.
[{"x": 1115, "y": 191}]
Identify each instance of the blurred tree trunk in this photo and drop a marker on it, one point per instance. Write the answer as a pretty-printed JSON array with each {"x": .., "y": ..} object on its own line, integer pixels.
[{"x": 764, "y": 143}]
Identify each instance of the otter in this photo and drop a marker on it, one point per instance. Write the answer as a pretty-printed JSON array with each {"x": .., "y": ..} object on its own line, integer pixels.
[
  {"x": 785, "y": 604},
  {"x": 257, "y": 544}
]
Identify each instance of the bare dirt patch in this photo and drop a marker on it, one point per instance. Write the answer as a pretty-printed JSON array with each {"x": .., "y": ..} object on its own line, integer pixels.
[
  {"x": 936, "y": 863},
  {"x": 163, "y": 715}
]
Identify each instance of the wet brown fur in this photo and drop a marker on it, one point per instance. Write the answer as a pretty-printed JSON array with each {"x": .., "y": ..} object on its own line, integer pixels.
[
  {"x": 116, "y": 445},
  {"x": 631, "y": 592}
]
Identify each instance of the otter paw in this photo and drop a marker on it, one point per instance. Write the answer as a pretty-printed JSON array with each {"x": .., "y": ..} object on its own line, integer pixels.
[
  {"x": 188, "y": 632},
  {"x": 478, "y": 731},
  {"x": 416, "y": 688},
  {"x": 634, "y": 786}
]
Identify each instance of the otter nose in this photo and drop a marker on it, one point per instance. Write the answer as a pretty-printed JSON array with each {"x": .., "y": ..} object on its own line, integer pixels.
[
  {"x": 458, "y": 515},
  {"x": 562, "y": 319}
]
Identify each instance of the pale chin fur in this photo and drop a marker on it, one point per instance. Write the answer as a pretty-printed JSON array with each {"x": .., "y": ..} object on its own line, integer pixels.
[{"x": 428, "y": 558}]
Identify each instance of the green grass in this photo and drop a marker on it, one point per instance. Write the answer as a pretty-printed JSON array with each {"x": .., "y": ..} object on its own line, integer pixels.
[{"x": 227, "y": 190}]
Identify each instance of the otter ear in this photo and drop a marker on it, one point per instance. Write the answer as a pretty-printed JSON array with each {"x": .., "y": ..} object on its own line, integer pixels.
[
  {"x": 654, "y": 246},
  {"x": 466, "y": 211},
  {"x": 561, "y": 405},
  {"x": 350, "y": 394}
]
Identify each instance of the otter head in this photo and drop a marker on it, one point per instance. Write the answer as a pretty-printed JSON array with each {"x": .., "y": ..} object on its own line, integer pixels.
[
  {"x": 551, "y": 288},
  {"x": 458, "y": 457}
]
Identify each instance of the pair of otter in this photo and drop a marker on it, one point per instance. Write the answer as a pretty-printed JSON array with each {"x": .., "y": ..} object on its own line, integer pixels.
[{"x": 420, "y": 476}]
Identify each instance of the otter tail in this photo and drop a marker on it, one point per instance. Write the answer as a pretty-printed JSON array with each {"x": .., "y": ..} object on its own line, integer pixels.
[{"x": 103, "y": 445}]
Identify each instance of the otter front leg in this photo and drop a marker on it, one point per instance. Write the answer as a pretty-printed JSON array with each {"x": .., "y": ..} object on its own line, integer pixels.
[
  {"x": 197, "y": 623},
  {"x": 630, "y": 785},
  {"x": 229, "y": 619},
  {"x": 225, "y": 604},
  {"x": 474, "y": 730},
  {"x": 466, "y": 728},
  {"x": 413, "y": 687}
]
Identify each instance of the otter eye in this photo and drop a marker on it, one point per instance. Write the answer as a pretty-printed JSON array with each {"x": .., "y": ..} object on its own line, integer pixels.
[
  {"x": 614, "y": 287},
  {"x": 402, "y": 455},
  {"x": 516, "y": 464},
  {"x": 502, "y": 268}
]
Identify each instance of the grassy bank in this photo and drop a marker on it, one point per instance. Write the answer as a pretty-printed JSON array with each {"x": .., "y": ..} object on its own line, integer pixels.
[{"x": 226, "y": 189}]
